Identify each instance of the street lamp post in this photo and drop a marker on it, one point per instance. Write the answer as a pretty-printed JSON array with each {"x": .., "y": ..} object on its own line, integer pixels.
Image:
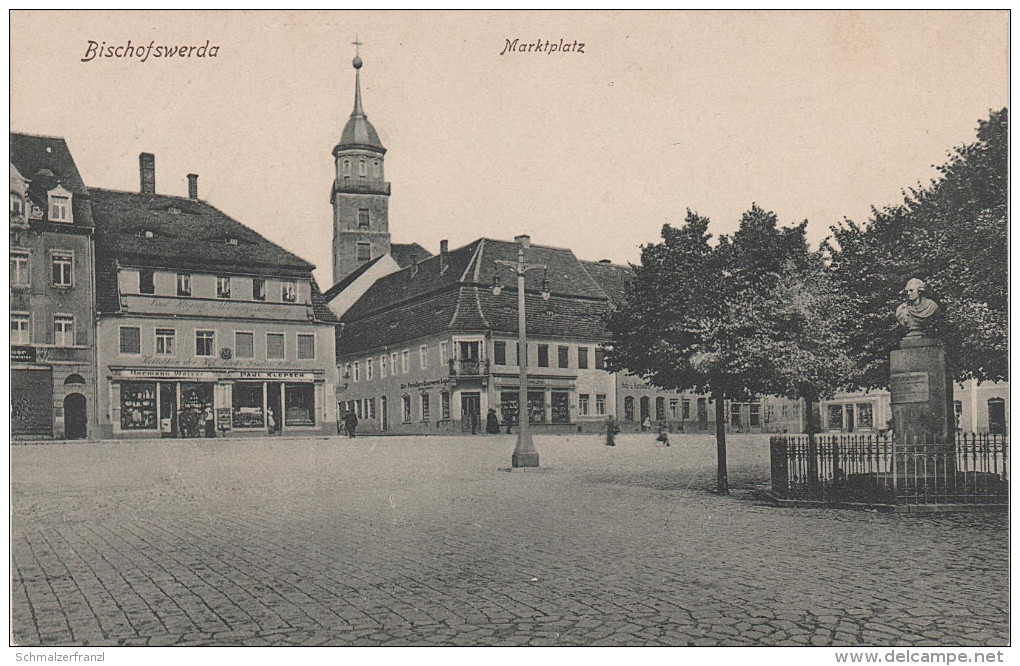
[{"x": 524, "y": 454}]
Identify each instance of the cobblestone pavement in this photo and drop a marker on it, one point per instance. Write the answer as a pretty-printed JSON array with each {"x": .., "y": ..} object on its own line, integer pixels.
[{"x": 427, "y": 541}]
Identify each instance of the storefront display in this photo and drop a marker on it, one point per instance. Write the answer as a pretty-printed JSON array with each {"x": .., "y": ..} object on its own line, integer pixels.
[
  {"x": 536, "y": 406},
  {"x": 560, "y": 406},
  {"x": 248, "y": 401},
  {"x": 299, "y": 409},
  {"x": 196, "y": 415},
  {"x": 138, "y": 406}
]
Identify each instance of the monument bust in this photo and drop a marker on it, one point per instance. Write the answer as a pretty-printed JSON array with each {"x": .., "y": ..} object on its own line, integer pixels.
[{"x": 915, "y": 312}]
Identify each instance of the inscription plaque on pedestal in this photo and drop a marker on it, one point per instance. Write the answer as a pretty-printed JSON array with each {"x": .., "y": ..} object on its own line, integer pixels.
[{"x": 908, "y": 387}]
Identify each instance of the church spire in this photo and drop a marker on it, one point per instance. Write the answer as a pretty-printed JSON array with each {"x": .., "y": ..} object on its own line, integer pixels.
[
  {"x": 358, "y": 111},
  {"x": 358, "y": 132}
]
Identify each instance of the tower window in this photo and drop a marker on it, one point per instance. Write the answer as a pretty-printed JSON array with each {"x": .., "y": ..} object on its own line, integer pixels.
[
  {"x": 362, "y": 171},
  {"x": 364, "y": 251},
  {"x": 375, "y": 168},
  {"x": 347, "y": 167},
  {"x": 363, "y": 222}
]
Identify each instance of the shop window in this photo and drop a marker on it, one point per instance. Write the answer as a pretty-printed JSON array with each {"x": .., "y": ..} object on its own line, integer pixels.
[
  {"x": 600, "y": 358},
  {"x": 363, "y": 222},
  {"x": 138, "y": 405},
  {"x": 406, "y": 400},
  {"x": 274, "y": 345},
  {"x": 424, "y": 406},
  {"x": 543, "y": 356},
  {"x": 628, "y": 408},
  {"x": 444, "y": 403},
  {"x": 582, "y": 404},
  {"x": 499, "y": 352},
  {"x": 300, "y": 405},
  {"x": 364, "y": 251},
  {"x": 196, "y": 417},
  {"x": 258, "y": 289},
  {"x": 223, "y": 286},
  {"x": 600, "y": 405},
  {"x": 582, "y": 358},
  {"x": 536, "y": 406},
  {"x": 248, "y": 409},
  {"x": 165, "y": 339},
  {"x": 146, "y": 281},
  {"x": 130, "y": 340},
  {"x": 205, "y": 343},
  {"x": 288, "y": 291},
  {"x": 20, "y": 329},
  {"x": 306, "y": 346},
  {"x": 754, "y": 415},
  {"x": 19, "y": 268},
  {"x": 62, "y": 265},
  {"x": 244, "y": 345},
  {"x": 63, "y": 331},
  {"x": 184, "y": 284},
  {"x": 559, "y": 406}
]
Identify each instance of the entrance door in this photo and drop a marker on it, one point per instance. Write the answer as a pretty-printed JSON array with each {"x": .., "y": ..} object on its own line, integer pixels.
[
  {"x": 645, "y": 409},
  {"x": 470, "y": 411},
  {"x": 273, "y": 407},
  {"x": 75, "y": 422},
  {"x": 384, "y": 417},
  {"x": 168, "y": 409},
  {"x": 997, "y": 416}
]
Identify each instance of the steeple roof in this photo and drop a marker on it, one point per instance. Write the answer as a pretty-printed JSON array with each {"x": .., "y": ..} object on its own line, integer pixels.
[{"x": 358, "y": 132}]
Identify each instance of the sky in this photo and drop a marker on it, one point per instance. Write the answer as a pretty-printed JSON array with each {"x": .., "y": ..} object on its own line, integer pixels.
[{"x": 812, "y": 115}]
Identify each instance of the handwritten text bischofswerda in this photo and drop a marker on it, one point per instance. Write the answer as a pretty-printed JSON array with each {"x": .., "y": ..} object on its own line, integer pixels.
[{"x": 142, "y": 52}]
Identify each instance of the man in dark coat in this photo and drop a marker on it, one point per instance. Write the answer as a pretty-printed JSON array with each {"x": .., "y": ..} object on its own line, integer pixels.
[
  {"x": 492, "y": 423},
  {"x": 351, "y": 423}
]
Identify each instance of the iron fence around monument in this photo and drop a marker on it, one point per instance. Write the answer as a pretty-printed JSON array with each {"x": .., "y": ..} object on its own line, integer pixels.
[{"x": 879, "y": 469}]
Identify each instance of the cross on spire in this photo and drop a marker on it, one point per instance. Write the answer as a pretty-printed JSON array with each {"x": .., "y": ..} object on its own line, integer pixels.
[{"x": 356, "y": 44}]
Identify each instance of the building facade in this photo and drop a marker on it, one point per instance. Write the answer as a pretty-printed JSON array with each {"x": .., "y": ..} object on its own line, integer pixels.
[
  {"x": 204, "y": 327},
  {"x": 53, "y": 379}
]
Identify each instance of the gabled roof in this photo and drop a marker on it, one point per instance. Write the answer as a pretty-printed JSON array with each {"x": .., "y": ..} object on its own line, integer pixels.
[
  {"x": 349, "y": 280},
  {"x": 455, "y": 295},
  {"x": 613, "y": 278},
  {"x": 46, "y": 161},
  {"x": 405, "y": 253}
]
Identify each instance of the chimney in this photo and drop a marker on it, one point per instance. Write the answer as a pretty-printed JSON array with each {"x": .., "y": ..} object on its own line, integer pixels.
[
  {"x": 192, "y": 185},
  {"x": 523, "y": 240},
  {"x": 444, "y": 248},
  {"x": 147, "y": 172}
]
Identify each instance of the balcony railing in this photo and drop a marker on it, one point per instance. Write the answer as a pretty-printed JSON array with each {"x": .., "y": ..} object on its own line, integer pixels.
[
  {"x": 467, "y": 367},
  {"x": 356, "y": 184}
]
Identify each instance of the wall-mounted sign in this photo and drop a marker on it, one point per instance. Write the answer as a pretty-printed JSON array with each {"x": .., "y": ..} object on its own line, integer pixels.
[
  {"x": 22, "y": 354},
  {"x": 212, "y": 308},
  {"x": 223, "y": 418},
  {"x": 425, "y": 383}
]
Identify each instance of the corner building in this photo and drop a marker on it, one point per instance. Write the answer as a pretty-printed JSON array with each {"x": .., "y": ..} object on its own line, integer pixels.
[
  {"x": 205, "y": 328},
  {"x": 53, "y": 378}
]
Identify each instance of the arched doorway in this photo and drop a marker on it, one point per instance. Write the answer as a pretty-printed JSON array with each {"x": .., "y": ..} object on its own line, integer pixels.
[{"x": 75, "y": 419}]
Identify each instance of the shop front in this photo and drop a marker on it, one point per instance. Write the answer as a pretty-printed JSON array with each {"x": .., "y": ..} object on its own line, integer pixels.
[
  {"x": 549, "y": 399},
  {"x": 189, "y": 403}
]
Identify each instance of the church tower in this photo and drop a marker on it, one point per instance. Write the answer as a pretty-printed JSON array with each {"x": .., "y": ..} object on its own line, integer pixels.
[{"x": 360, "y": 193}]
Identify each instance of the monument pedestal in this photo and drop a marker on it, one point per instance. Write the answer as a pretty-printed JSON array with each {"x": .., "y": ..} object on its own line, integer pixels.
[{"x": 917, "y": 388}]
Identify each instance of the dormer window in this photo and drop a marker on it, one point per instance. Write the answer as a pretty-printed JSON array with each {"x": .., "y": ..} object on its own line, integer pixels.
[
  {"x": 60, "y": 205},
  {"x": 17, "y": 205},
  {"x": 230, "y": 241},
  {"x": 173, "y": 210},
  {"x": 288, "y": 291}
]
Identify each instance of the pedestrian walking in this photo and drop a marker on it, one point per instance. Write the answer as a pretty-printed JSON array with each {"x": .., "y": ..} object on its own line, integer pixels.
[
  {"x": 492, "y": 423},
  {"x": 351, "y": 423},
  {"x": 611, "y": 430}
]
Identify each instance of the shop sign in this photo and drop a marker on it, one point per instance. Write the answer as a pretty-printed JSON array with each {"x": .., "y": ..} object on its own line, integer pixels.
[
  {"x": 425, "y": 383},
  {"x": 505, "y": 382},
  {"x": 21, "y": 354},
  {"x": 168, "y": 374},
  {"x": 270, "y": 374},
  {"x": 223, "y": 418}
]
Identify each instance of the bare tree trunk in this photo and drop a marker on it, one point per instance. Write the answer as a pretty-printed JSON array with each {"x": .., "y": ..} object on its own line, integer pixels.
[{"x": 722, "y": 485}]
